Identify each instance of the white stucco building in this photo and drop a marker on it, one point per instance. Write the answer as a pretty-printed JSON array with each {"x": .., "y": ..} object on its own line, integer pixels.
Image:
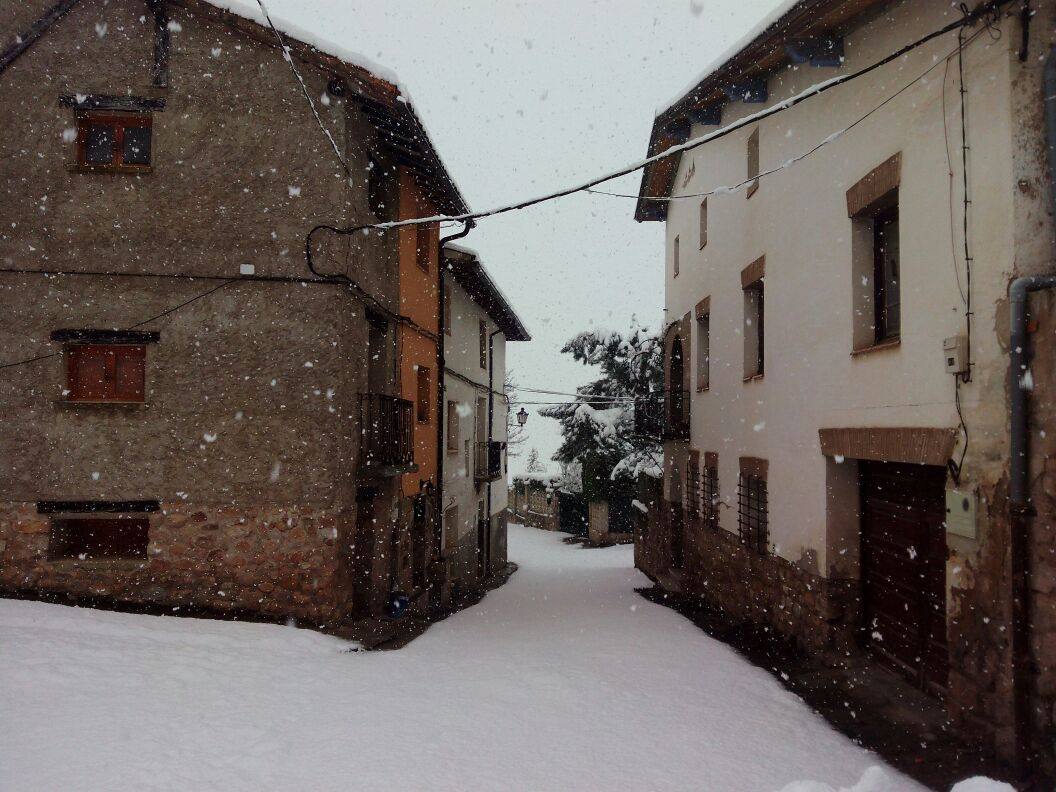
[
  {"x": 838, "y": 353},
  {"x": 477, "y": 321}
]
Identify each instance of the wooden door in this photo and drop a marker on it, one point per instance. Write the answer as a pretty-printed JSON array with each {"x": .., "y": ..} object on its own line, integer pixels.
[{"x": 904, "y": 569}]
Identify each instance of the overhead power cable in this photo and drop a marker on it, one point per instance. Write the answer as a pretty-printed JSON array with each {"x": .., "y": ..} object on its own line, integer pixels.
[
  {"x": 130, "y": 327},
  {"x": 799, "y": 158},
  {"x": 985, "y": 9},
  {"x": 304, "y": 89}
]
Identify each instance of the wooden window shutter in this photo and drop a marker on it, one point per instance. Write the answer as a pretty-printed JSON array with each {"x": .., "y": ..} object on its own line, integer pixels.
[{"x": 129, "y": 373}]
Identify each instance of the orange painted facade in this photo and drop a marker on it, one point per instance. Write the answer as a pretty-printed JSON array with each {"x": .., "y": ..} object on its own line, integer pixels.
[{"x": 417, "y": 343}]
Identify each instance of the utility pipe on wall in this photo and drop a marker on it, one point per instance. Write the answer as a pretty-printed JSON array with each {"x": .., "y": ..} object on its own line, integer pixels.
[
  {"x": 441, "y": 415},
  {"x": 1020, "y": 509}
]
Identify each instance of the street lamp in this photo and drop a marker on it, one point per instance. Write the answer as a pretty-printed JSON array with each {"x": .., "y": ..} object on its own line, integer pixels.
[{"x": 522, "y": 417}]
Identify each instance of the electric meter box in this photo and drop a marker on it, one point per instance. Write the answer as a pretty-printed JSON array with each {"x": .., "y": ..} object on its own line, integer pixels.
[
  {"x": 960, "y": 513},
  {"x": 955, "y": 351}
]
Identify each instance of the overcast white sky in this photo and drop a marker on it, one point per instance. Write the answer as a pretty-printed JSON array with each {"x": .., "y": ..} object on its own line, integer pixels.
[{"x": 524, "y": 97}]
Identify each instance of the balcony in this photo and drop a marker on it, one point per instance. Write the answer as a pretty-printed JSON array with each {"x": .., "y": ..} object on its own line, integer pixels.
[
  {"x": 663, "y": 419},
  {"x": 387, "y": 444},
  {"x": 487, "y": 461}
]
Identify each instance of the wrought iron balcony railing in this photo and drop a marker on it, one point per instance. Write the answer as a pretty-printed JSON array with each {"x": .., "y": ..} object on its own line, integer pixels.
[
  {"x": 387, "y": 425},
  {"x": 487, "y": 460}
]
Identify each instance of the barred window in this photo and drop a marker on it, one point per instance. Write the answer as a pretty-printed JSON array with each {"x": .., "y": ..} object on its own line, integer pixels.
[
  {"x": 709, "y": 485},
  {"x": 752, "y": 513},
  {"x": 693, "y": 489}
]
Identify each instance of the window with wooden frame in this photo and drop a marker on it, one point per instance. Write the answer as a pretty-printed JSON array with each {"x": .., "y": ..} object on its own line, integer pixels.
[
  {"x": 754, "y": 314},
  {"x": 703, "y": 223},
  {"x": 703, "y": 314},
  {"x": 452, "y": 428},
  {"x": 887, "y": 319},
  {"x": 872, "y": 206},
  {"x": 114, "y": 142},
  {"x": 675, "y": 257},
  {"x": 752, "y": 506},
  {"x": 483, "y": 344},
  {"x": 424, "y": 245},
  {"x": 752, "y": 156},
  {"x": 709, "y": 490},
  {"x": 105, "y": 373},
  {"x": 91, "y": 538},
  {"x": 424, "y": 396}
]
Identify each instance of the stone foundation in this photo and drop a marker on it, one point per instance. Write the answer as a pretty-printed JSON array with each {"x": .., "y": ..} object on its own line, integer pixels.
[
  {"x": 273, "y": 560},
  {"x": 816, "y": 613}
]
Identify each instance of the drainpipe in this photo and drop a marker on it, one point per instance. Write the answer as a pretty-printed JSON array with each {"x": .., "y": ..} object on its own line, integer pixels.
[
  {"x": 491, "y": 411},
  {"x": 441, "y": 415},
  {"x": 1020, "y": 509}
]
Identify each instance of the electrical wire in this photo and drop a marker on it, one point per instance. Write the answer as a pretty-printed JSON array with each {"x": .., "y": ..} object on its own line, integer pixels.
[
  {"x": 304, "y": 89},
  {"x": 799, "y": 158},
  {"x": 163, "y": 314},
  {"x": 986, "y": 8}
]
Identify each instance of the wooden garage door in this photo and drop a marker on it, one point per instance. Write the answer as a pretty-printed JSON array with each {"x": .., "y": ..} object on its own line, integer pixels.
[{"x": 904, "y": 569}]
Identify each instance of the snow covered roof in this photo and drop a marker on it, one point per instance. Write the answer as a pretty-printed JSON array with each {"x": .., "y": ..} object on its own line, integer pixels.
[
  {"x": 381, "y": 96},
  {"x": 376, "y": 89},
  {"x": 464, "y": 264},
  {"x": 759, "y": 53}
]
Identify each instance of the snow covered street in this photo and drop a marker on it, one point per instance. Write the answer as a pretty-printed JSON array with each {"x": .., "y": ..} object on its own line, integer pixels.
[{"x": 565, "y": 678}]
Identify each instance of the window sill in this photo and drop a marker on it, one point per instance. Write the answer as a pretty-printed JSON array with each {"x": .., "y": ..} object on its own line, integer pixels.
[
  {"x": 73, "y": 403},
  {"x": 752, "y": 378},
  {"x": 702, "y": 388},
  {"x": 893, "y": 343},
  {"x": 76, "y": 167},
  {"x": 116, "y": 564}
]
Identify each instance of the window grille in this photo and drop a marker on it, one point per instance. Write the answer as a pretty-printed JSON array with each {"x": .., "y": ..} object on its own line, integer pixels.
[
  {"x": 752, "y": 513},
  {"x": 709, "y": 485}
]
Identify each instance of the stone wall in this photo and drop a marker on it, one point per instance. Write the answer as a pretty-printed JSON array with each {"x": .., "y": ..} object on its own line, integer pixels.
[{"x": 277, "y": 561}]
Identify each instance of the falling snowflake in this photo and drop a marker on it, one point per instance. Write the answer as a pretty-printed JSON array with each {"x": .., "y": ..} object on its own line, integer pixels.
[{"x": 294, "y": 191}]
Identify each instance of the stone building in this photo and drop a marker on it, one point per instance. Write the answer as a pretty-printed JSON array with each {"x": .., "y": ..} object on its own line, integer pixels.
[
  {"x": 846, "y": 459},
  {"x": 478, "y": 321},
  {"x": 192, "y": 417}
]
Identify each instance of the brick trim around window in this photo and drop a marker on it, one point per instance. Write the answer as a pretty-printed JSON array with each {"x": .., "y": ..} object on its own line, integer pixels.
[
  {"x": 754, "y": 466},
  {"x": 703, "y": 308},
  {"x": 753, "y": 272},
  {"x": 864, "y": 196},
  {"x": 922, "y": 446}
]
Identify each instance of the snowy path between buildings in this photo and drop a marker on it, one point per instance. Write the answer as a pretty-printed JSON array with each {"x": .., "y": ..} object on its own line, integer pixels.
[{"x": 564, "y": 679}]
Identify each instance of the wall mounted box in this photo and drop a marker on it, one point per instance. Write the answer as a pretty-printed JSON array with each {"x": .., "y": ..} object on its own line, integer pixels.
[
  {"x": 955, "y": 353},
  {"x": 960, "y": 513}
]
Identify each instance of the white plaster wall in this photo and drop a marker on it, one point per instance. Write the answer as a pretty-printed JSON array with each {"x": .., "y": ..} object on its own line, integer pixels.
[
  {"x": 798, "y": 220},
  {"x": 461, "y": 353}
]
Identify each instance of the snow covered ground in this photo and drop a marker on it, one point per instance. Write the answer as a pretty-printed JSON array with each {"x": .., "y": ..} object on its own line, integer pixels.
[{"x": 562, "y": 679}]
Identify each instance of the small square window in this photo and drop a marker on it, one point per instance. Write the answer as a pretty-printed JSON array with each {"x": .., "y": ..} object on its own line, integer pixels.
[
  {"x": 114, "y": 141},
  {"x": 105, "y": 372},
  {"x": 89, "y": 538}
]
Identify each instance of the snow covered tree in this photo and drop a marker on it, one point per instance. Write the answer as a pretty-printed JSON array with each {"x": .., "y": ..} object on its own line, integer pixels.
[
  {"x": 534, "y": 465},
  {"x": 598, "y": 427}
]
